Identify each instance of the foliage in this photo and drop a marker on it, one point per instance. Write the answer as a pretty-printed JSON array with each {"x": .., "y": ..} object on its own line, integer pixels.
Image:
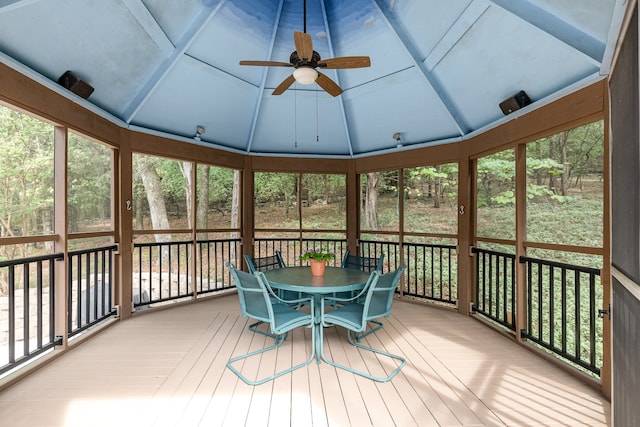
[
  {"x": 26, "y": 175},
  {"x": 89, "y": 178},
  {"x": 317, "y": 255}
]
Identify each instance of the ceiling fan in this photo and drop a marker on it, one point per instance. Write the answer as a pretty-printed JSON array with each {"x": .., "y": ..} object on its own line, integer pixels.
[{"x": 305, "y": 60}]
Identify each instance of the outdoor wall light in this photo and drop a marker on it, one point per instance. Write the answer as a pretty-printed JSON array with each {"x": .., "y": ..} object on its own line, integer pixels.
[
  {"x": 199, "y": 131},
  {"x": 397, "y": 136}
]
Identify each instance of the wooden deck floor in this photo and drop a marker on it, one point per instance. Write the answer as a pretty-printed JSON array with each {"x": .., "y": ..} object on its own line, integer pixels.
[{"x": 167, "y": 368}]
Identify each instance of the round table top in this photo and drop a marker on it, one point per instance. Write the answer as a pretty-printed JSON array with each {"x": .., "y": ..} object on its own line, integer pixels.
[{"x": 299, "y": 279}]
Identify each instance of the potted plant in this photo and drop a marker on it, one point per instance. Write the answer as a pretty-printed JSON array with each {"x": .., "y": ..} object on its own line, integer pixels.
[{"x": 317, "y": 259}]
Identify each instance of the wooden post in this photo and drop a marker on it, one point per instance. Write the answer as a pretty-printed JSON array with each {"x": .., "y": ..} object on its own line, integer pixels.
[
  {"x": 60, "y": 229},
  {"x": 605, "y": 274},
  {"x": 521, "y": 237},
  {"x": 124, "y": 233},
  {"x": 466, "y": 208},
  {"x": 248, "y": 223},
  {"x": 353, "y": 207}
]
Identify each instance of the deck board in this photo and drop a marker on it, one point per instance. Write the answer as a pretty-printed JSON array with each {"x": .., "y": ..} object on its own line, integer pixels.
[{"x": 167, "y": 368}]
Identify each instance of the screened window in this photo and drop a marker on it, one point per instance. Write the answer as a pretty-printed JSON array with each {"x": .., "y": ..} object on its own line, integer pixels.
[
  {"x": 379, "y": 196},
  {"x": 26, "y": 176},
  {"x": 565, "y": 188},
  {"x": 496, "y": 196},
  {"x": 161, "y": 196},
  {"x": 431, "y": 199},
  {"x": 89, "y": 185}
]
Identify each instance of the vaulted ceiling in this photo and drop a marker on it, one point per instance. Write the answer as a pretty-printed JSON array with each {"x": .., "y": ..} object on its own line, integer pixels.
[{"x": 439, "y": 69}]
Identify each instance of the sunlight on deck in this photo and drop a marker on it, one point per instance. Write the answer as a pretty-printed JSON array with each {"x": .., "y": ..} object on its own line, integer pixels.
[{"x": 167, "y": 368}]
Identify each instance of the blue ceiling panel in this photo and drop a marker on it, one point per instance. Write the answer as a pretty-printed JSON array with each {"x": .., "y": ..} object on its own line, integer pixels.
[
  {"x": 402, "y": 103},
  {"x": 181, "y": 102},
  {"x": 439, "y": 69},
  {"x": 174, "y": 17},
  {"x": 591, "y": 16},
  {"x": 239, "y": 30},
  {"x": 301, "y": 122},
  {"x": 427, "y": 22},
  {"x": 99, "y": 51}
]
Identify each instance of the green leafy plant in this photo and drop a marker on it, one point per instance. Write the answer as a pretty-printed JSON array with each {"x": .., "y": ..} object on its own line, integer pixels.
[{"x": 317, "y": 255}]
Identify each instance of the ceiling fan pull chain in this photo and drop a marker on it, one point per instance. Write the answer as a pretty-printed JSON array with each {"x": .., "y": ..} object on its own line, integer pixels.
[
  {"x": 317, "y": 120},
  {"x": 295, "y": 118}
]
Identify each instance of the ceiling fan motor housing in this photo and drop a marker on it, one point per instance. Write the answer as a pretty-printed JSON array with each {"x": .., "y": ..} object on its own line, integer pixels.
[{"x": 296, "y": 61}]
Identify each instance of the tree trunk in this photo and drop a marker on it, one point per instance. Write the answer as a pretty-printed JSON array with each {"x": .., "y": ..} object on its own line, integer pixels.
[
  {"x": 552, "y": 155},
  {"x": 202, "y": 204},
  {"x": 564, "y": 178},
  {"x": 371, "y": 201},
  {"x": 437, "y": 187},
  {"x": 152, "y": 184},
  {"x": 186, "y": 168},
  {"x": 139, "y": 216},
  {"x": 235, "y": 210}
]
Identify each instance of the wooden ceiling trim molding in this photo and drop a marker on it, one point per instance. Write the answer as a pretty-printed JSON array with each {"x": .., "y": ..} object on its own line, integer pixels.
[
  {"x": 166, "y": 147},
  {"x": 578, "y": 108},
  {"x": 25, "y": 94},
  {"x": 300, "y": 165},
  {"x": 427, "y": 156}
]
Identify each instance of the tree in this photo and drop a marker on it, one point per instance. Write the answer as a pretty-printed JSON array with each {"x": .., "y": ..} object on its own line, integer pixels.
[
  {"x": 153, "y": 188},
  {"x": 186, "y": 168},
  {"x": 371, "y": 201}
]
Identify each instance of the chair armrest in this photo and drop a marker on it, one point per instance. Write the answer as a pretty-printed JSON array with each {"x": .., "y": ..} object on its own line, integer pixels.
[{"x": 275, "y": 296}]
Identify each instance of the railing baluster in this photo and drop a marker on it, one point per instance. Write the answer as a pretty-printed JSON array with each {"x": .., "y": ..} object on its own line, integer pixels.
[
  {"x": 12, "y": 314},
  {"x": 25, "y": 309},
  {"x": 552, "y": 306},
  {"x": 576, "y": 296},
  {"x": 563, "y": 273},
  {"x": 39, "y": 303}
]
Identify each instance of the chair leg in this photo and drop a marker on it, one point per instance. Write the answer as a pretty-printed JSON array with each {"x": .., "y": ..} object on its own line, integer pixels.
[
  {"x": 370, "y": 331},
  {"x": 254, "y": 328},
  {"x": 279, "y": 340},
  {"x": 361, "y": 373}
]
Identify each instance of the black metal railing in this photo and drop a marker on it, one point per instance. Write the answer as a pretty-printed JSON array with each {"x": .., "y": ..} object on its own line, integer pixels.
[
  {"x": 561, "y": 310},
  {"x": 431, "y": 269},
  {"x": 161, "y": 272},
  {"x": 90, "y": 287},
  {"x": 432, "y": 272},
  {"x": 496, "y": 286},
  {"x": 212, "y": 275},
  {"x": 30, "y": 309},
  {"x": 373, "y": 249},
  {"x": 291, "y": 248}
]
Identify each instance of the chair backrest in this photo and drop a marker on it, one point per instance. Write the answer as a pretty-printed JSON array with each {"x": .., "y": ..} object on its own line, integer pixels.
[
  {"x": 380, "y": 295},
  {"x": 264, "y": 263},
  {"x": 362, "y": 263},
  {"x": 253, "y": 294}
]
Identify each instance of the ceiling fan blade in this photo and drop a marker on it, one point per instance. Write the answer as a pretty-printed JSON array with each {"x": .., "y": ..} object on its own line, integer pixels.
[
  {"x": 304, "y": 45},
  {"x": 328, "y": 85},
  {"x": 266, "y": 63},
  {"x": 284, "y": 85},
  {"x": 345, "y": 62}
]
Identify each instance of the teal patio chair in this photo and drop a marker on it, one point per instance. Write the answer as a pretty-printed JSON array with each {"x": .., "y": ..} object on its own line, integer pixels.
[
  {"x": 356, "y": 312},
  {"x": 265, "y": 264},
  {"x": 368, "y": 264},
  {"x": 362, "y": 263},
  {"x": 258, "y": 301}
]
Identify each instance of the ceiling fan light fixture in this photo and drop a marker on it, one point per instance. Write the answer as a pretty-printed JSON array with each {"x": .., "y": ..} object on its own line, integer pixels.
[{"x": 305, "y": 75}]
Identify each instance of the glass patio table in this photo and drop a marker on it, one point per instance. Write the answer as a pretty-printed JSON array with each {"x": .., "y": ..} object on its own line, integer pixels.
[{"x": 299, "y": 279}]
